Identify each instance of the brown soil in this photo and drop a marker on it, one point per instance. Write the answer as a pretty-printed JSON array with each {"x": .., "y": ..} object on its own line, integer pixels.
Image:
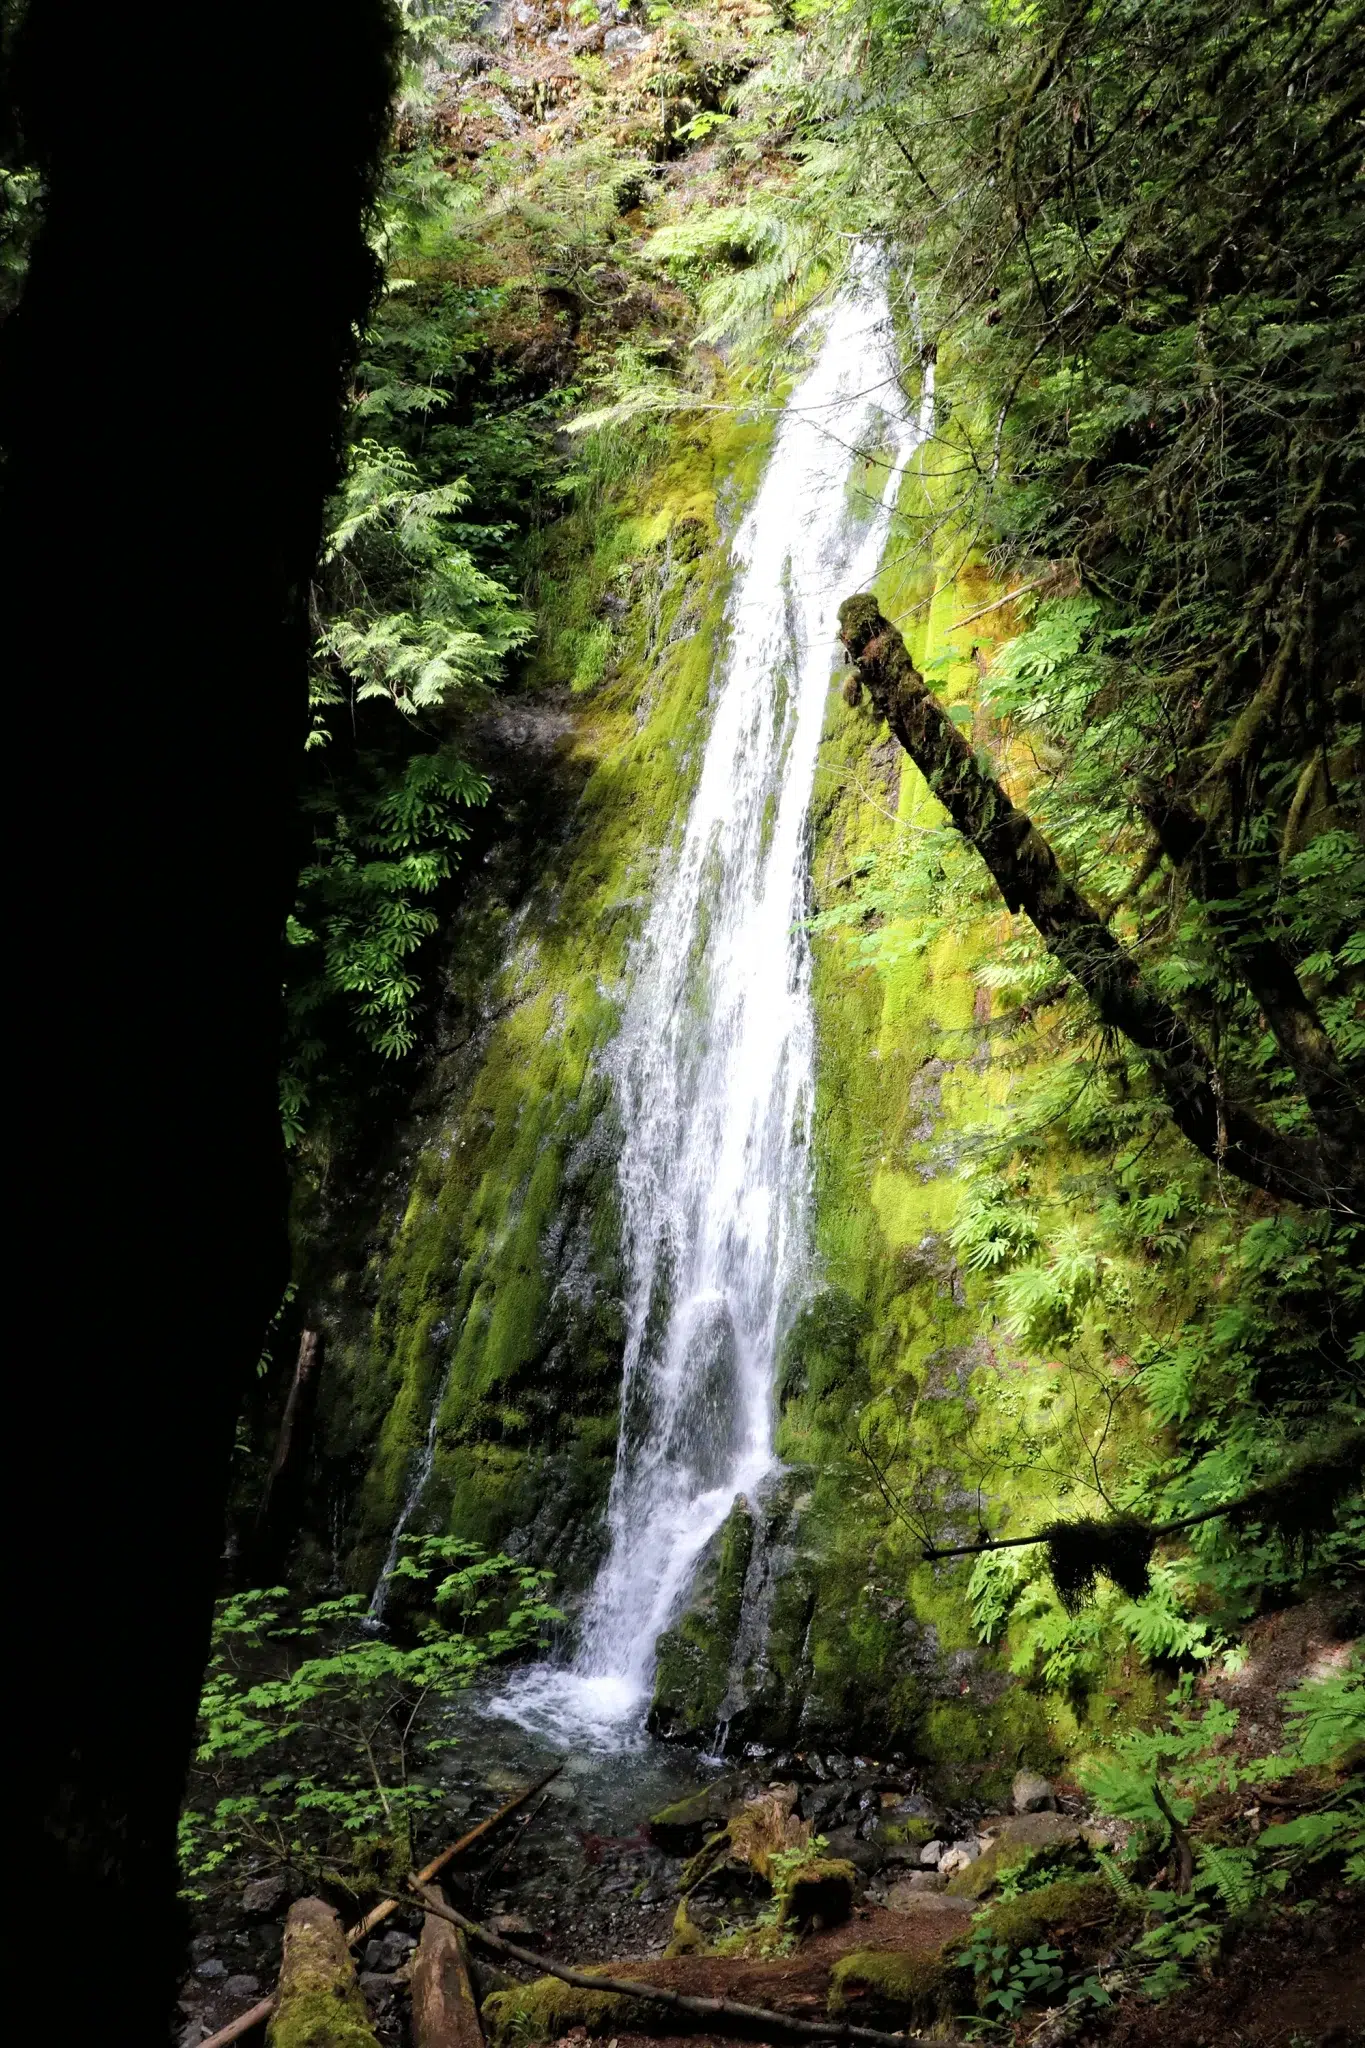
[
  {"x": 1299, "y": 1983},
  {"x": 1287, "y": 1649}
]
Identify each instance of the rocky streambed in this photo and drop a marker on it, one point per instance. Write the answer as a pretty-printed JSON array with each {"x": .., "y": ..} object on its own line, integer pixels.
[{"x": 662, "y": 1857}]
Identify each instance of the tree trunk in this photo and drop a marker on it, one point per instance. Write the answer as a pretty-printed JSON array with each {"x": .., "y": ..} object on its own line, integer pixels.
[
  {"x": 1031, "y": 881},
  {"x": 278, "y": 1512},
  {"x": 171, "y": 397},
  {"x": 319, "y": 2003},
  {"x": 445, "y": 2012}
]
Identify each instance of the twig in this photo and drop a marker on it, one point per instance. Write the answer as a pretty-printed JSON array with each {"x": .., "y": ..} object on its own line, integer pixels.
[{"x": 659, "y": 1994}]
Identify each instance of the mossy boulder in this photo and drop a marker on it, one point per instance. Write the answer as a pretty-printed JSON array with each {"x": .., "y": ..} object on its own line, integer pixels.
[
  {"x": 1066, "y": 1902},
  {"x": 682, "y": 1827},
  {"x": 912, "y": 1989},
  {"x": 549, "y": 2008},
  {"x": 1020, "y": 1843}
]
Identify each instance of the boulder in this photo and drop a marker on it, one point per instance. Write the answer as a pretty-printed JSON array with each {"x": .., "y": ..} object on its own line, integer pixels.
[
  {"x": 1032, "y": 1793},
  {"x": 265, "y": 1895},
  {"x": 959, "y": 1856},
  {"x": 683, "y": 1827},
  {"x": 909, "y": 1897},
  {"x": 1016, "y": 1843}
]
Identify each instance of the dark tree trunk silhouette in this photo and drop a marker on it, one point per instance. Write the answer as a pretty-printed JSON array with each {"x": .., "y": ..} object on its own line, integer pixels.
[{"x": 171, "y": 411}]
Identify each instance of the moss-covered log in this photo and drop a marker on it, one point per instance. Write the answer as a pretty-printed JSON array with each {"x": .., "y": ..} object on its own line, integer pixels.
[
  {"x": 1029, "y": 878},
  {"x": 319, "y": 2003}
]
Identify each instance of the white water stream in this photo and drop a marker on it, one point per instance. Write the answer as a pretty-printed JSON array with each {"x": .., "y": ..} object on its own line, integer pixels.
[{"x": 714, "y": 1064}]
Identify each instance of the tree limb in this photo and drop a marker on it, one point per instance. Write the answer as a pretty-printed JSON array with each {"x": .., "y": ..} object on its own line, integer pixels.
[{"x": 1026, "y": 870}]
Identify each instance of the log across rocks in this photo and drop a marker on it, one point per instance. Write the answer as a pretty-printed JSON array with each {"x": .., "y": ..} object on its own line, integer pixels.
[{"x": 319, "y": 2003}]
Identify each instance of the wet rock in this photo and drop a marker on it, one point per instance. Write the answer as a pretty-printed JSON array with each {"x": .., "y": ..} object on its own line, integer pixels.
[
  {"x": 512, "y": 1926},
  {"x": 265, "y": 1895},
  {"x": 848, "y": 1844},
  {"x": 395, "y": 1948},
  {"x": 683, "y": 1827},
  {"x": 692, "y": 1676},
  {"x": 370, "y": 1955},
  {"x": 1032, "y": 1793}
]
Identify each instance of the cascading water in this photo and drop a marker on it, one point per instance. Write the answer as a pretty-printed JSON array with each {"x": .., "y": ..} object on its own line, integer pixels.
[{"x": 714, "y": 1064}]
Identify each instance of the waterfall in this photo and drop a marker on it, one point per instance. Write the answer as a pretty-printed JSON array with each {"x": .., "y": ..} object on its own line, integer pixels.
[
  {"x": 715, "y": 1058},
  {"x": 374, "y": 1613}
]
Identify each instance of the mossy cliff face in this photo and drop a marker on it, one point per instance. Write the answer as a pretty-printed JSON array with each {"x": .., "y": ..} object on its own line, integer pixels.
[
  {"x": 492, "y": 1283},
  {"x": 492, "y": 1271}
]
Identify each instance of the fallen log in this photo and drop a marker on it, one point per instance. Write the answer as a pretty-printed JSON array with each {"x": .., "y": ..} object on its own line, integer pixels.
[
  {"x": 319, "y": 2004},
  {"x": 445, "y": 2012},
  {"x": 677, "y": 2001},
  {"x": 257, "y": 2014}
]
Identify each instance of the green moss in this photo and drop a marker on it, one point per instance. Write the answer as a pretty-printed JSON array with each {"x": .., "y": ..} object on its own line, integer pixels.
[
  {"x": 1025, "y": 1843},
  {"x": 687, "y": 1938},
  {"x": 320, "y": 2003},
  {"x": 548, "y": 2008},
  {"x": 1067, "y": 1902},
  {"x": 321, "y": 2018},
  {"x": 693, "y": 1671},
  {"x": 819, "y": 1891},
  {"x": 916, "y": 1990}
]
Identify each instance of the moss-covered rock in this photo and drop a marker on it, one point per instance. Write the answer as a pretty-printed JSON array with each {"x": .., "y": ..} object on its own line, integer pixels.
[
  {"x": 692, "y": 1676},
  {"x": 548, "y": 2008},
  {"x": 909, "y": 1989},
  {"x": 1027, "y": 1840},
  {"x": 1069, "y": 1902},
  {"x": 816, "y": 1894},
  {"x": 682, "y": 1827}
]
